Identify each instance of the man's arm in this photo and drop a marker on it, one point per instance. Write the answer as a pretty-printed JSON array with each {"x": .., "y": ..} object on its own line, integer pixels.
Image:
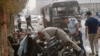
[
  {"x": 77, "y": 33},
  {"x": 86, "y": 31},
  {"x": 86, "y": 28},
  {"x": 77, "y": 29},
  {"x": 98, "y": 32}
]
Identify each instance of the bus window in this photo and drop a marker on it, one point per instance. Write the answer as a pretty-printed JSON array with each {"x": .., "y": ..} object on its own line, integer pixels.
[
  {"x": 73, "y": 10},
  {"x": 69, "y": 9},
  {"x": 47, "y": 17},
  {"x": 54, "y": 12},
  {"x": 59, "y": 11}
]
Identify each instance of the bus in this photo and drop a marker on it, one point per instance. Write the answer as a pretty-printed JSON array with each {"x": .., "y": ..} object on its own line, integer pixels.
[{"x": 53, "y": 13}]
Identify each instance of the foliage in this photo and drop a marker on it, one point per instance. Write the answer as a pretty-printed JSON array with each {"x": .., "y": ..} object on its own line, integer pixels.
[{"x": 12, "y": 6}]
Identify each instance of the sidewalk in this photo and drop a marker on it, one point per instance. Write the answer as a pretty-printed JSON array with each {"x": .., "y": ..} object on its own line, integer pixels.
[{"x": 88, "y": 50}]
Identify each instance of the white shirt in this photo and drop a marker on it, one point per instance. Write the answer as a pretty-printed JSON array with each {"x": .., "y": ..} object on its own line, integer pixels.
[
  {"x": 23, "y": 46},
  {"x": 71, "y": 25}
]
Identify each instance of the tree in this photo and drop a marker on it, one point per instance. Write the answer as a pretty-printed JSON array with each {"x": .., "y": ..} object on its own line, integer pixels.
[{"x": 8, "y": 8}]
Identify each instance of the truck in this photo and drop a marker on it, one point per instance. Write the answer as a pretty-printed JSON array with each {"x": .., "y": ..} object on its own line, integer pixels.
[{"x": 53, "y": 12}]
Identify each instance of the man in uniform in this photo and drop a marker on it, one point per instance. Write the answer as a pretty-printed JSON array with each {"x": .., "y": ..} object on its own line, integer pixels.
[
  {"x": 73, "y": 28},
  {"x": 47, "y": 33}
]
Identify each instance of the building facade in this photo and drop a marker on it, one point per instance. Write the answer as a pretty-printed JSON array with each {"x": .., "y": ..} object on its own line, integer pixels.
[
  {"x": 94, "y": 7},
  {"x": 41, "y": 3}
]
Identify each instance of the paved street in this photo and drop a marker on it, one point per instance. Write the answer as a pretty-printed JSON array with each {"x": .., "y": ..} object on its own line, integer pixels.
[{"x": 85, "y": 40}]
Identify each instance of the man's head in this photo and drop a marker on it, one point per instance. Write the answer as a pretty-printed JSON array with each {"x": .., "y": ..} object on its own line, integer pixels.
[
  {"x": 41, "y": 36},
  {"x": 29, "y": 34},
  {"x": 66, "y": 20},
  {"x": 88, "y": 14},
  {"x": 18, "y": 15}
]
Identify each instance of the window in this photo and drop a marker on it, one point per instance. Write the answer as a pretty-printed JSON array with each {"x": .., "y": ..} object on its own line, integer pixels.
[
  {"x": 66, "y": 10},
  {"x": 47, "y": 14}
]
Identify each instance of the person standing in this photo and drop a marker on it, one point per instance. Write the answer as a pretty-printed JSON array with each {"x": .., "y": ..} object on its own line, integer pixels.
[
  {"x": 19, "y": 22},
  {"x": 73, "y": 28},
  {"x": 91, "y": 25},
  {"x": 28, "y": 21},
  {"x": 15, "y": 44}
]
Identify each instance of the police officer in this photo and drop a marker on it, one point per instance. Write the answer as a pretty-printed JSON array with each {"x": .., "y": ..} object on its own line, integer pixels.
[
  {"x": 47, "y": 33},
  {"x": 73, "y": 28}
]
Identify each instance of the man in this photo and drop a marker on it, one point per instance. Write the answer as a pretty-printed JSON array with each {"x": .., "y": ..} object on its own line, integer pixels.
[
  {"x": 11, "y": 51},
  {"x": 73, "y": 28},
  {"x": 28, "y": 21},
  {"x": 47, "y": 33},
  {"x": 15, "y": 44},
  {"x": 19, "y": 22},
  {"x": 91, "y": 29}
]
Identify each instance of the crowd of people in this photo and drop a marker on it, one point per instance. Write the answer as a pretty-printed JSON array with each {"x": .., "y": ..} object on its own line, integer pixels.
[{"x": 24, "y": 44}]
